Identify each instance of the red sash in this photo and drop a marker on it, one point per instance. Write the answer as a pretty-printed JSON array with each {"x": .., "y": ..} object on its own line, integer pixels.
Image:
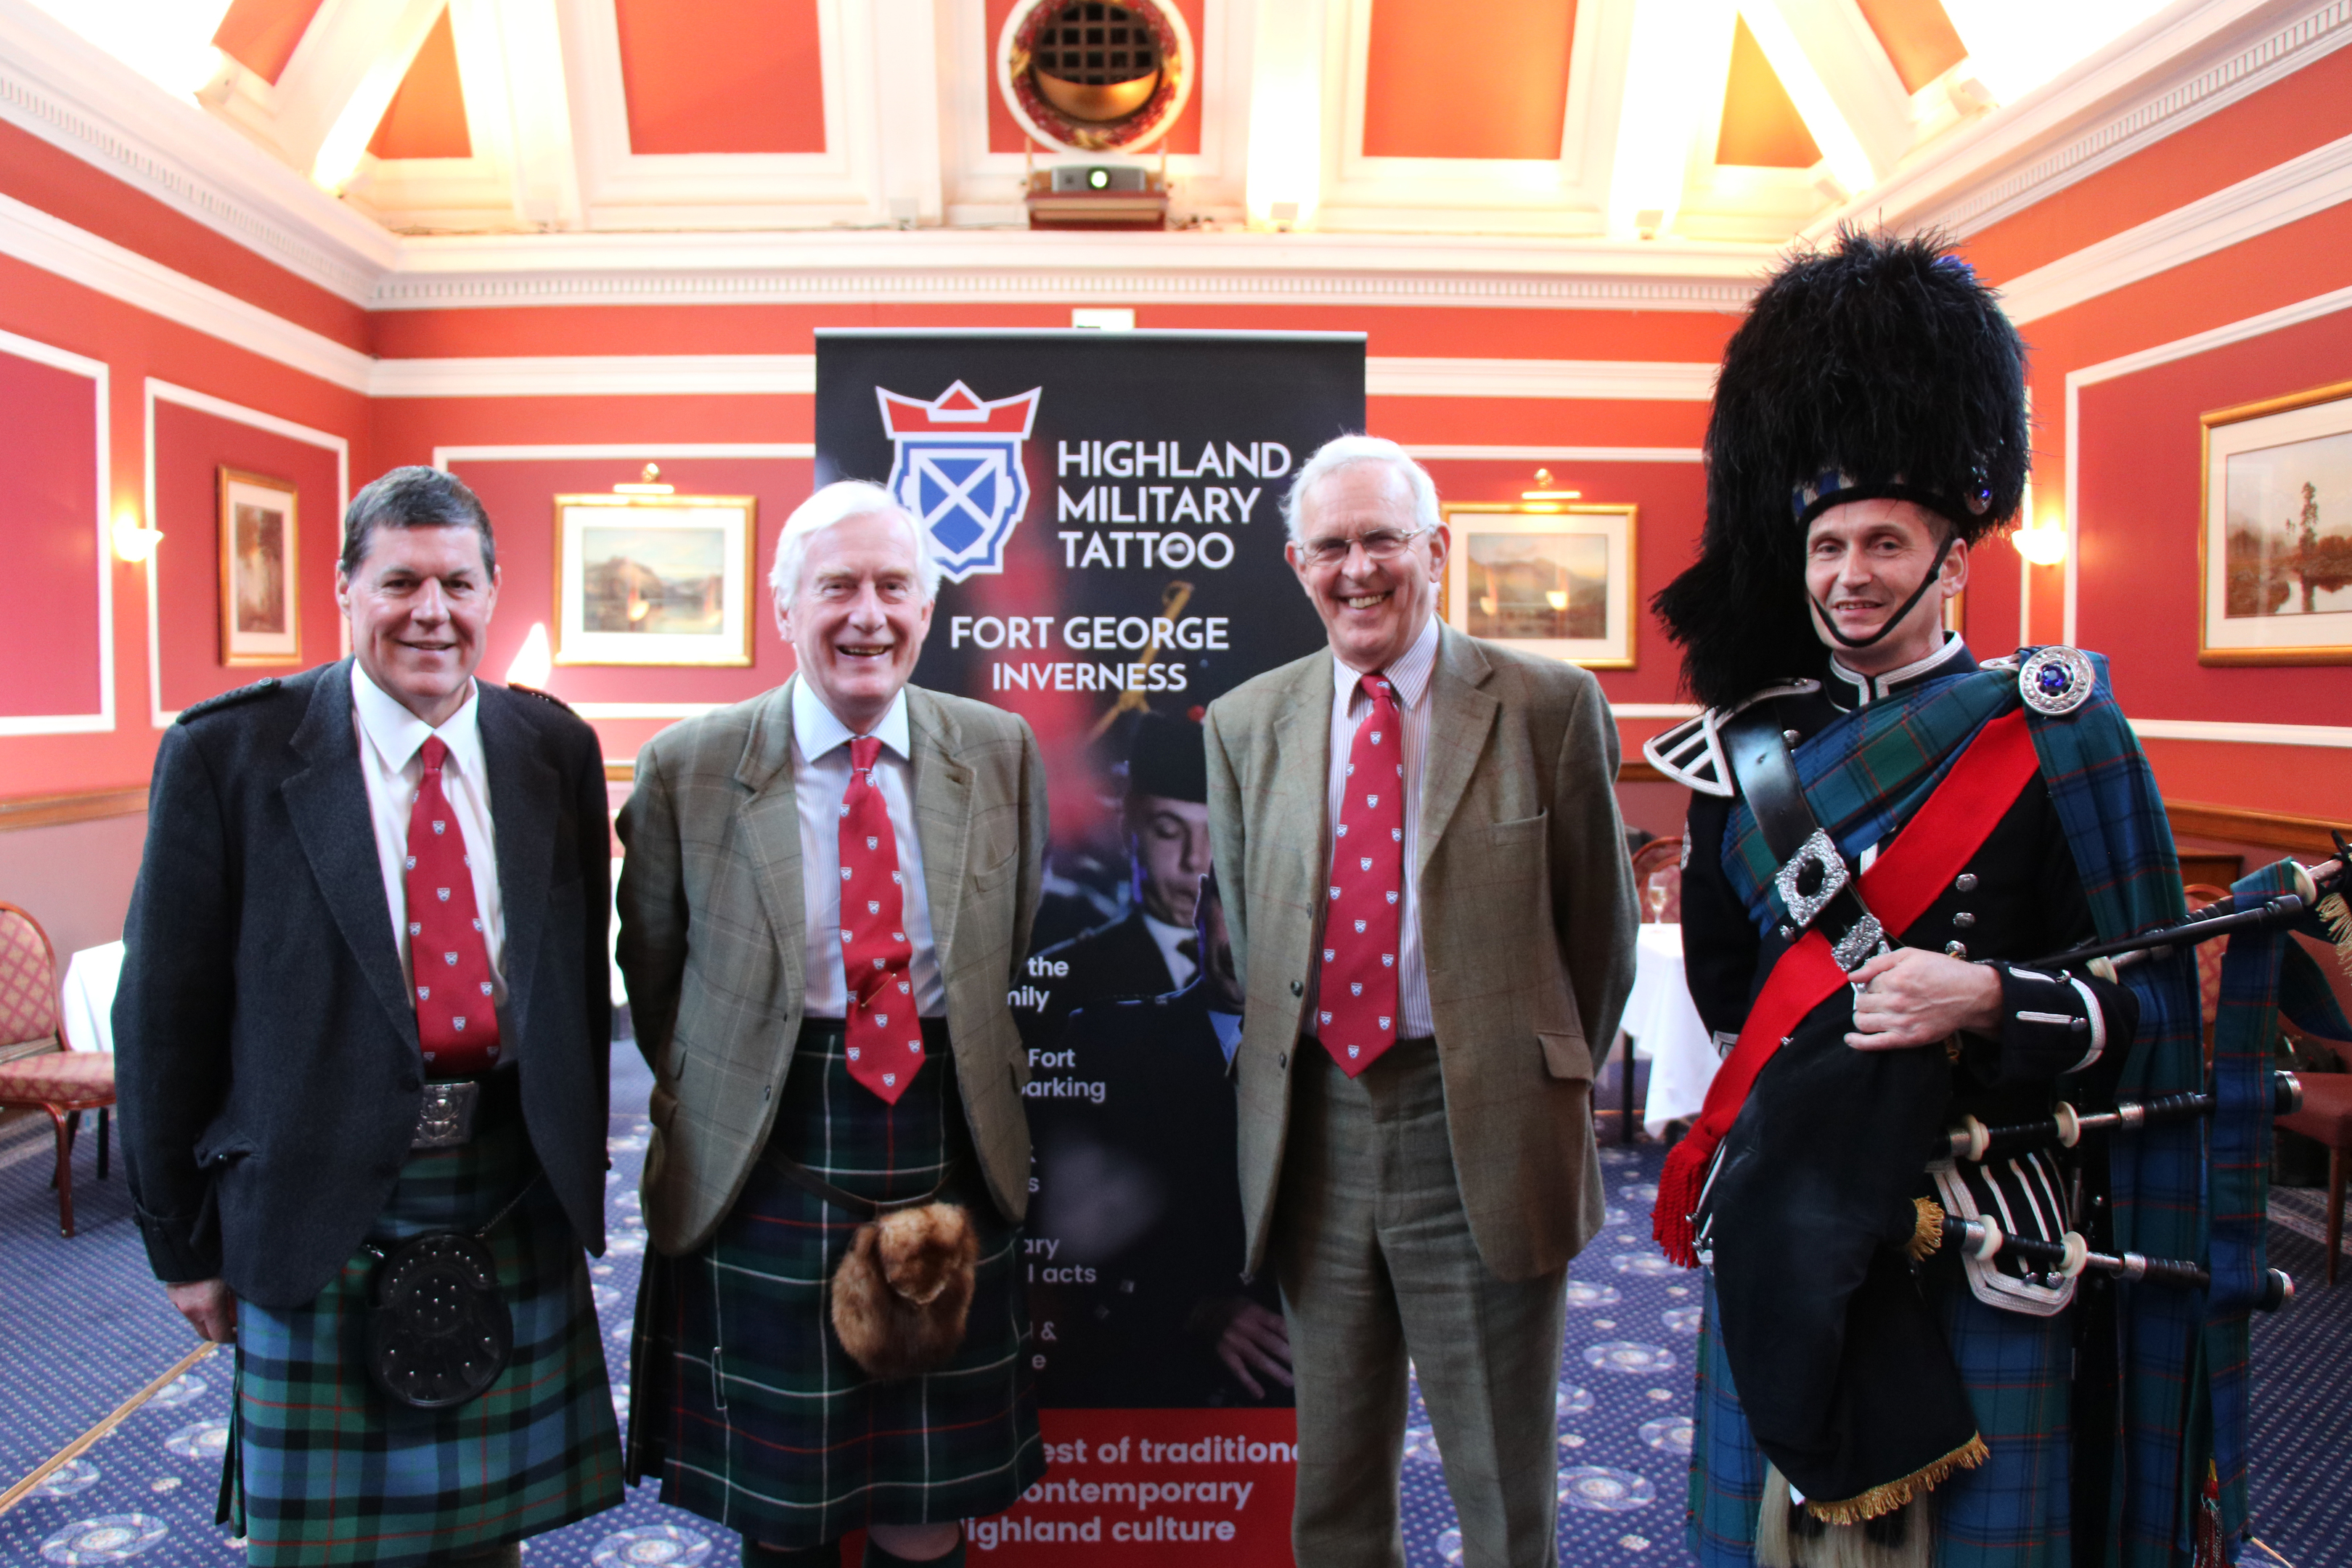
[{"x": 1932, "y": 849}]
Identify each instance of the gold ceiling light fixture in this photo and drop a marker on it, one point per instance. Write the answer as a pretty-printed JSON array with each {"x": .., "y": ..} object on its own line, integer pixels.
[{"x": 1547, "y": 488}]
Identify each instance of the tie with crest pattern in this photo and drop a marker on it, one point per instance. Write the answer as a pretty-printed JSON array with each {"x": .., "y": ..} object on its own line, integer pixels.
[
  {"x": 449, "y": 953},
  {"x": 884, "y": 1037},
  {"x": 1356, "y": 998}
]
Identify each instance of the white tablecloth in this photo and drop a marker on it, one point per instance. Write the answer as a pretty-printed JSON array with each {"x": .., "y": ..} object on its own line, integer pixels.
[
  {"x": 1665, "y": 1029},
  {"x": 91, "y": 976}
]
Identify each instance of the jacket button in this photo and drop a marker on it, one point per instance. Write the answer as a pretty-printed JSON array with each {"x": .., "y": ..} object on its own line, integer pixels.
[
  {"x": 1956, "y": 949},
  {"x": 1282, "y": 1058},
  {"x": 1966, "y": 882},
  {"x": 1299, "y": 988},
  {"x": 1964, "y": 919}
]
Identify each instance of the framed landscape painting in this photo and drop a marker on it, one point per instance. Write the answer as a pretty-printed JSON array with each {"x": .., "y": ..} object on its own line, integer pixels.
[
  {"x": 258, "y": 555},
  {"x": 2275, "y": 551},
  {"x": 654, "y": 579},
  {"x": 1553, "y": 579}
]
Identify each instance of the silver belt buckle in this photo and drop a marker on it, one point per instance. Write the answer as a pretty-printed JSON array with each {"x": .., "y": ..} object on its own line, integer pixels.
[{"x": 445, "y": 1119}]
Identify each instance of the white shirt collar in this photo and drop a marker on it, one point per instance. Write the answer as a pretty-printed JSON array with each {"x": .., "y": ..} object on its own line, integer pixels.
[
  {"x": 815, "y": 730},
  {"x": 1409, "y": 675},
  {"x": 1868, "y": 688},
  {"x": 398, "y": 734}
]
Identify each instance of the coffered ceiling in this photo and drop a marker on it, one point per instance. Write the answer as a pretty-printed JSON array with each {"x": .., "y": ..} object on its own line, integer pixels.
[{"x": 1709, "y": 121}]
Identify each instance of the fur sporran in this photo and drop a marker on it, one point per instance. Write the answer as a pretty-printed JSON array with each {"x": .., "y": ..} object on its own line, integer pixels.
[{"x": 903, "y": 1290}]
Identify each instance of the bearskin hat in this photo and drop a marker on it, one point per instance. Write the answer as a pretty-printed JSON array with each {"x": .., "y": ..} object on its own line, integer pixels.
[{"x": 1880, "y": 367}]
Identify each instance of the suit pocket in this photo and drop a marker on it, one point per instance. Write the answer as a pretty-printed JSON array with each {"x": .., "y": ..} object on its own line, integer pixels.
[
  {"x": 661, "y": 1108},
  {"x": 1566, "y": 1056},
  {"x": 996, "y": 876}
]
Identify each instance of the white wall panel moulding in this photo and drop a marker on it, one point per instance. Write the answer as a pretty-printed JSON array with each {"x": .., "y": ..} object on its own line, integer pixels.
[
  {"x": 2167, "y": 73},
  {"x": 155, "y": 391},
  {"x": 658, "y": 376},
  {"x": 644, "y": 710},
  {"x": 2308, "y": 184},
  {"x": 2231, "y": 734},
  {"x": 100, "y": 526},
  {"x": 53, "y": 245},
  {"x": 1443, "y": 453},
  {"x": 1655, "y": 711},
  {"x": 1644, "y": 380},
  {"x": 658, "y": 451}
]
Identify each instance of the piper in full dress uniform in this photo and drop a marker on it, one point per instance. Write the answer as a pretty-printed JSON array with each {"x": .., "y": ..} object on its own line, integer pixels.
[
  {"x": 1884, "y": 834},
  {"x": 827, "y": 888}
]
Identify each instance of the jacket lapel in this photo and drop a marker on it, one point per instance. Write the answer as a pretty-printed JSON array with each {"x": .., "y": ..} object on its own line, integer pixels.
[
  {"x": 768, "y": 827},
  {"x": 1302, "y": 743},
  {"x": 942, "y": 814},
  {"x": 327, "y": 804},
  {"x": 523, "y": 792},
  {"x": 1460, "y": 717}
]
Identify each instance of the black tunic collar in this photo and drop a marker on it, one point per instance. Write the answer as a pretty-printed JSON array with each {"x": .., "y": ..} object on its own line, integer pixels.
[{"x": 1847, "y": 690}]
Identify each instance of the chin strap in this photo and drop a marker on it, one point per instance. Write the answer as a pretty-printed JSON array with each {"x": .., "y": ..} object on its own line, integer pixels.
[{"x": 1828, "y": 627}]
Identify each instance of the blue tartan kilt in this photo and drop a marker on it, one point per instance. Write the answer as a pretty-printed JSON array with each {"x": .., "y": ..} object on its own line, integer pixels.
[
  {"x": 324, "y": 1468},
  {"x": 2012, "y": 1511},
  {"x": 743, "y": 1401}
]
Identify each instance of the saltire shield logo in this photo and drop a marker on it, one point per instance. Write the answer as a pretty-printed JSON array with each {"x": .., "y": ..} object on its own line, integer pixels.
[{"x": 957, "y": 467}]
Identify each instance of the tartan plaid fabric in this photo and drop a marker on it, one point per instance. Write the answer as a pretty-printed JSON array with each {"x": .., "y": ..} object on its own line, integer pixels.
[
  {"x": 1864, "y": 777},
  {"x": 743, "y": 1401},
  {"x": 326, "y": 1470},
  {"x": 2010, "y": 1512}
]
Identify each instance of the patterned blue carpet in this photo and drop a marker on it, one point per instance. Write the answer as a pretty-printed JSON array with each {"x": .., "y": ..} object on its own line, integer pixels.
[{"x": 89, "y": 1328}]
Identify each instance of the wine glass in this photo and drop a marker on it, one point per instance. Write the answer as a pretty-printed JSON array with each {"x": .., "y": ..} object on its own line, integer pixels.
[{"x": 1660, "y": 885}]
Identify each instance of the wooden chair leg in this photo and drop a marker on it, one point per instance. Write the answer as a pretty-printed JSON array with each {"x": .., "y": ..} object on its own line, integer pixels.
[
  {"x": 2336, "y": 1172},
  {"x": 103, "y": 1116},
  {"x": 63, "y": 1180},
  {"x": 1627, "y": 1136}
]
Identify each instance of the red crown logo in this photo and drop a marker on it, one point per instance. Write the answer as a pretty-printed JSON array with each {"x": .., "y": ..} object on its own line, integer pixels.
[{"x": 958, "y": 411}]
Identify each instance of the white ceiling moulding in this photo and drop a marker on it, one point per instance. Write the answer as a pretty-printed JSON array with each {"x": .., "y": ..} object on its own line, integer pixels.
[
  {"x": 61, "y": 87},
  {"x": 2158, "y": 78},
  {"x": 33, "y": 236},
  {"x": 1627, "y": 381},
  {"x": 2311, "y": 182}
]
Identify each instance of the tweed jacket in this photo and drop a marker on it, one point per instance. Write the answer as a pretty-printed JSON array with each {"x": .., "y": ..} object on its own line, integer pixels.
[
  {"x": 1526, "y": 916},
  {"x": 713, "y": 936},
  {"x": 265, "y": 1044}
]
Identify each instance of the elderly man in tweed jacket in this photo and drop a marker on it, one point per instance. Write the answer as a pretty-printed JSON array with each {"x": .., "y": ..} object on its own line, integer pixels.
[
  {"x": 826, "y": 891},
  {"x": 1433, "y": 914}
]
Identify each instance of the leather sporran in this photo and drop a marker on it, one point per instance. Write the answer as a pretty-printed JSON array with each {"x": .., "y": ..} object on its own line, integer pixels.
[
  {"x": 903, "y": 1290},
  {"x": 438, "y": 1333}
]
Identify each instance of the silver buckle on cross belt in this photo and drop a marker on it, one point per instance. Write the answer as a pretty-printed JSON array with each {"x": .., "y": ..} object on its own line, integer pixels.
[
  {"x": 445, "y": 1119},
  {"x": 1819, "y": 853}
]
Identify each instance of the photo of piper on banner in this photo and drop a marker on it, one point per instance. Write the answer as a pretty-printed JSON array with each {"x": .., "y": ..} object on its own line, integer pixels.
[{"x": 1107, "y": 506}]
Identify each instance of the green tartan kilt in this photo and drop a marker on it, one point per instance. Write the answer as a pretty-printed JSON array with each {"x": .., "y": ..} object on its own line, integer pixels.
[
  {"x": 742, "y": 1400},
  {"x": 324, "y": 1468}
]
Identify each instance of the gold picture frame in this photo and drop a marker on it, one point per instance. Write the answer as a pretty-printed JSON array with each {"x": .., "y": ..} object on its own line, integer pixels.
[
  {"x": 1555, "y": 578},
  {"x": 654, "y": 579},
  {"x": 260, "y": 576},
  {"x": 2274, "y": 582}
]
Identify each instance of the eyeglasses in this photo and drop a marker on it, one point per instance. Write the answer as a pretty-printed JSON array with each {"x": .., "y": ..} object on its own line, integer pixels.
[{"x": 1382, "y": 545}]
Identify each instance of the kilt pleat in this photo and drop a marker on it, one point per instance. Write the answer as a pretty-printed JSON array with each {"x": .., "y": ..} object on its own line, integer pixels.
[
  {"x": 324, "y": 1469},
  {"x": 744, "y": 1402},
  {"x": 2012, "y": 1511}
]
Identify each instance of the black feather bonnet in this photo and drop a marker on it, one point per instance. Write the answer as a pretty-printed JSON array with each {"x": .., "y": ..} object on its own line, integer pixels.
[{"x": 1879, "y": 368}]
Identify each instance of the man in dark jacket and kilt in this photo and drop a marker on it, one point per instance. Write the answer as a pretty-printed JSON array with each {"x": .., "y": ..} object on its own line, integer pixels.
[
  {"x": 827, "y": 892},
  {"x": 366, "y": 1005}
]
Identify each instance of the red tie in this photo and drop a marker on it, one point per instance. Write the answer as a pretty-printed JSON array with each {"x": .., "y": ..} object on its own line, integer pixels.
[
  {"x": 1356, "y": 998},
  {"x": 450, "y": 957},
  {"x": 885, "y": 1037}
]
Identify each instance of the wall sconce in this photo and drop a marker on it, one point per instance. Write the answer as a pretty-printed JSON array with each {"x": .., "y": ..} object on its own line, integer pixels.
[
  {"x": 1545, "y": 490},
  {"x": 649, "y": 484},
  {"x": 133, "y": 542},
  {"x": 534, "y": 663},
  {"x": 2043, "y": 546}
]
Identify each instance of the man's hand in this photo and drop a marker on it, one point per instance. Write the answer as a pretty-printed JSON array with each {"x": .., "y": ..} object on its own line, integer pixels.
[
  {"x": 209, "y": 1305},
  {"x": 1254, "y": 1337},
  {"x": 1914, "y": 997}
]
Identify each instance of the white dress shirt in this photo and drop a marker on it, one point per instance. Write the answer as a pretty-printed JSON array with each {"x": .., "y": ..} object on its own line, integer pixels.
[
  {"x": 820, "y": 781},
  {"x": 1409, "y": 676},
  {"x": 391, "y": 740},
  {"x": 1169, "y": 939}
]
